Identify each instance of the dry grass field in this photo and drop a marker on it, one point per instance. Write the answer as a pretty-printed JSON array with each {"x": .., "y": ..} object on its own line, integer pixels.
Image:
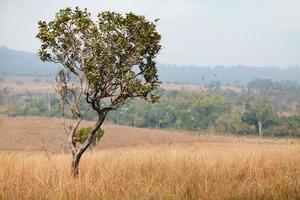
[
  {"x": 22, "y": 84},
  {"x": 40, "y": 84},
  {"x": 37, "y": 133},
  {"x": 134, "y": 163}
]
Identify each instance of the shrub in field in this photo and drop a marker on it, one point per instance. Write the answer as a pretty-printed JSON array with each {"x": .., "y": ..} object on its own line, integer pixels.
[{"x": 83, "y": 133}]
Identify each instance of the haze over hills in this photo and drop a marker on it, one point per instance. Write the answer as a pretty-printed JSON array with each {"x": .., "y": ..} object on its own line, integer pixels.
[
  {"x": 225, "y": 75},
  {"x": 13, "y": 62}
]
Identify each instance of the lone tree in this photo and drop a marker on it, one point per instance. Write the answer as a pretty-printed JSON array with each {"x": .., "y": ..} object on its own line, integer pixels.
[
  {"x": 260, "y": 113},
  {"x": 105, "y": 63}
]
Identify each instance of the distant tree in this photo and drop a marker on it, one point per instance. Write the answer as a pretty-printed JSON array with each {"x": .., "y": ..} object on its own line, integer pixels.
[
  {"x": 105, "y": 62},
  {"x": 261, "y": 84},
  {"x": 266, "y": 84},
  {"x": 259, "y": 112},
  {"x": 287, "y": 126},
  {"x": 214, "y": 85}
]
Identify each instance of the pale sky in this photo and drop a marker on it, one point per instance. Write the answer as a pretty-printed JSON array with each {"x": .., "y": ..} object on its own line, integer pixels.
[{"x": 194, "y": 32}]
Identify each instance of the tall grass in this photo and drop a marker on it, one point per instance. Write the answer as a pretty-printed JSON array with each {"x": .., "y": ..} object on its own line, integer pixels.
[{"x": 215, "y": 171}]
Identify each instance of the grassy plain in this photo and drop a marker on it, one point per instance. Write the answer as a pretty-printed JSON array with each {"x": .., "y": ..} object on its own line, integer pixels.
[
  {"x": 43, "y": 84},
  {"x": 133, "y": 163}
]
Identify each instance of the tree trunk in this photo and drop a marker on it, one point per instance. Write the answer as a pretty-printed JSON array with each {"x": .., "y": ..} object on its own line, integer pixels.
[
  {"x": 93, "y": 144},
  {"x": 77, "y": 153},
  {"x": 49, "y": 101},
  {"x": 260, "y": 128},
  {"x": 75, "y": 165}
]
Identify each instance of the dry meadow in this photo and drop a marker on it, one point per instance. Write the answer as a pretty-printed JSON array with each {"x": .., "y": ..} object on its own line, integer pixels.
[{"x": 133, "y": 163}]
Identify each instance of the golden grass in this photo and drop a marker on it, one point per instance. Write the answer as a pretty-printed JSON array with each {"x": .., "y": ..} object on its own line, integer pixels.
[
  {"x": 38, "y": 133},
  {"x": 198, "y": 171},
  {"x": 135, "y": 163}
]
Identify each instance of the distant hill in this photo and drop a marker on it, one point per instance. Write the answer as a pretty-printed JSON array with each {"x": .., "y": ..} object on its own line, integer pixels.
[
  {"x": 226, "y": 75},
  {"x": 14, "y": 62}
]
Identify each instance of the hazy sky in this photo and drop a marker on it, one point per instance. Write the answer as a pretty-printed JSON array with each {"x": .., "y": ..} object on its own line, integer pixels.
[{"x": 194, "y": 32}]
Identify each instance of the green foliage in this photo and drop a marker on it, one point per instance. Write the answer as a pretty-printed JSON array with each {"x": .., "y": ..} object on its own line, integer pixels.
[
  {"x": 176, "y": 109},
  {"x": 259, "y": 110},
  {"x": 232, "y": 123},
  {"x": 240, "y": 128},
  {"x": 115, "y": 53},
  {"x": 285, "y": 126},
  {"x": 277, "y": 131},
  {"x": 284, "y": 95},
  {"x": 36, "y": 107},
  {"x": 83, "y": 133}
]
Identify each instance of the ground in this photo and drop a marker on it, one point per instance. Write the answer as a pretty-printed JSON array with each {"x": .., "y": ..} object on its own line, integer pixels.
[
  {"x": 134, "y": 163},
  {"x": 39, "y": 133}
]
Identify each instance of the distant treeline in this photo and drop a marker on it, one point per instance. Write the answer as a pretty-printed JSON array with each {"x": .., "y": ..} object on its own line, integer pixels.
[
  {"x": 263, "y": 107},
  {"x": 226, "y": 75}
]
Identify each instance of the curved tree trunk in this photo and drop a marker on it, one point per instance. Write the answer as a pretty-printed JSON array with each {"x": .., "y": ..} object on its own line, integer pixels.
[
  {"x": 77, "y": 153},
  {"x": 75, "y": 165}
]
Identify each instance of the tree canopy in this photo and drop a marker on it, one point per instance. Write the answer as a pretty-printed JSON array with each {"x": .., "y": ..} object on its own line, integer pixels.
[
  {"x": 259, "y": 112},
  {"x": 115, "y": 54}
]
